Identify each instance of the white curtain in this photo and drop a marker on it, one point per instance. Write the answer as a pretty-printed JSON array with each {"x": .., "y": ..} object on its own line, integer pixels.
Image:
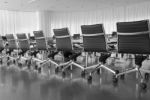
[
  {"x": 12, "y": 22},
  {"x": 45, "y": 22},
  {"x": 109, "y": 17},
  {"x": 27, "y": 22}
]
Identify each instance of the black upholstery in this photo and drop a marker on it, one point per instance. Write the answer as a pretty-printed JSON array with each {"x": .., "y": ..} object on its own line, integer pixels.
[
  {"x": 92, "y": 29},
  {"x": 76, "y": 36},
  {"x": 38, "y": 34},
  {"x": 104, "y": 57},
  {"x": 139, "y": 59},
  {"x": 40, "y": 40},
  {"x": 133, "y": 37},
  {"x": 11, "y": 42},
  {"x": 1, "y": 44},
  {"x": 41, "y": 44},
  {"x": 134, "y": 26},
  {"x": 61, "y": 32},
  {"x": 64, "y": 43},
  {"x": 23, "y": 42},
  {"x": 94, "y": 43}
]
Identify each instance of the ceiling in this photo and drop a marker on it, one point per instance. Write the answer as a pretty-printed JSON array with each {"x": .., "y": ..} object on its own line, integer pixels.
[{"x": 63, "y": 5}]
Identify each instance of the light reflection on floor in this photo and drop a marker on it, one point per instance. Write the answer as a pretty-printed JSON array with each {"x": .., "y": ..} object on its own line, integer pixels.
[{"x": 25, "y": 85}]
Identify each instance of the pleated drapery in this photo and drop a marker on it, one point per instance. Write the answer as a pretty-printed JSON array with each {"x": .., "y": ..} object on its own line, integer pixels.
[
  {"x": 12, "y": 22},
  {"x": 108, "y": 17}
]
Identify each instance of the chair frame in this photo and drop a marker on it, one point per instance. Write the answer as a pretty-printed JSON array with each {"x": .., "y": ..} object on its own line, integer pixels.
[
  {"x": 137, "y": 68},
  {"x": 68, "y": 63},
  {"x": 42, "y": 62},
  {"x": 97, "y": 67},
  {"x": 14, "y": 59},
  {"x": 22, "y": 57},
  {"x": 100, "y": 65}
]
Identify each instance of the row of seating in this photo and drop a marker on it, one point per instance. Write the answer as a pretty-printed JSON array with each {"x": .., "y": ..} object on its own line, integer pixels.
[
  {"x": 133, "y": 38},
  {"x": 20, "y": 47}
]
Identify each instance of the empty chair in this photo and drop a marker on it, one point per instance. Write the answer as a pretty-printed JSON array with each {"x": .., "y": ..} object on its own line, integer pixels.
[
  {"x": 94, "y": 41},
  {"x": 12, "y": 46},
  {"x": 133, "y": 38},
  {"x": 2, "y": 47},
  {"x": 12, "y": 43},
  {"x": 24, "y": 48},
  {"x": 40, "y": 40},
  {"x": 65, "y": 46},
  {"x": 23, "y": 42},
  {"x": 41, "y": 48}
]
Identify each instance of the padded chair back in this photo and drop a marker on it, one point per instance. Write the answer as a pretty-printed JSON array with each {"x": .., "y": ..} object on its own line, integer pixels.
[
  {"x": 133, "y": 37},
  {"x": 23, "y": 42},
  {"x": 11, "y": 41},
  {"x": 40, "y": 40},
  {"x": 94, "y": 38},
  {"x": 38, "y": 33},
  {"x": 76, "y": 36},
  {"x": 1, "y": 44},
  {"x": 63, "y": 39}
]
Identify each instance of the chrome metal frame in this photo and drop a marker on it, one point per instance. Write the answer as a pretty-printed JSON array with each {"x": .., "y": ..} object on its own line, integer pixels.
[{"x": 136, "y": 69}]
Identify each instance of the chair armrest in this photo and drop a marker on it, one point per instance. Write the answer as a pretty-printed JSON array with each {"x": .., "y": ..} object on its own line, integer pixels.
[
  {"x": 104, "y": 57},
  {"x": 34, "y": 53},
  {"x": 51, "y": 55},
  {"x": 74, "y": 56}
]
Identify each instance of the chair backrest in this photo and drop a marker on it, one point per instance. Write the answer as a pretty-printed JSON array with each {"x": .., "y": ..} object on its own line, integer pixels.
[
  {"x": 94, "y": 38},
  {"x": 63, "y": 39},
  {"x": 38, "y": 33},
  {"x": 76, "y": 36},
  {"x": 23, "y": 41},
  {"x": 4, "y": 38},
  {"x": 1, "y": 44},
  {"x": 40, "y": 40},
  {"x": 133, "y": 37},
  {"x": 11, "y": 41}
]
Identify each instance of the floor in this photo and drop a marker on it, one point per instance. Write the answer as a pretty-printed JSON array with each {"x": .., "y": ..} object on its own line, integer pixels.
[{"x": 16, "y": 84}]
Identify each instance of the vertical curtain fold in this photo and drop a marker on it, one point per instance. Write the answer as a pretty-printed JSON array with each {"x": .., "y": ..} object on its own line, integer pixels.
[
  {"x": 27, "y": 22},
  {"x": 12, "y": 22},
  {"x": 109, "y": 17}
]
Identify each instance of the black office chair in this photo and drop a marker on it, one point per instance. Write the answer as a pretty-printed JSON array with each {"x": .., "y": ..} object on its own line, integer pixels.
[
  {"x": 24, "y": 49},
  {"x": 12, "y": 46},
  {"x": 133, "y": 38},
  {"x": 41, "y": 47},
  {"x": 65, "y": 46},
  {"x": 2, "y": 47},
  {"x": 41, "y": 43},
  {"x": 94, "y": 41}
]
